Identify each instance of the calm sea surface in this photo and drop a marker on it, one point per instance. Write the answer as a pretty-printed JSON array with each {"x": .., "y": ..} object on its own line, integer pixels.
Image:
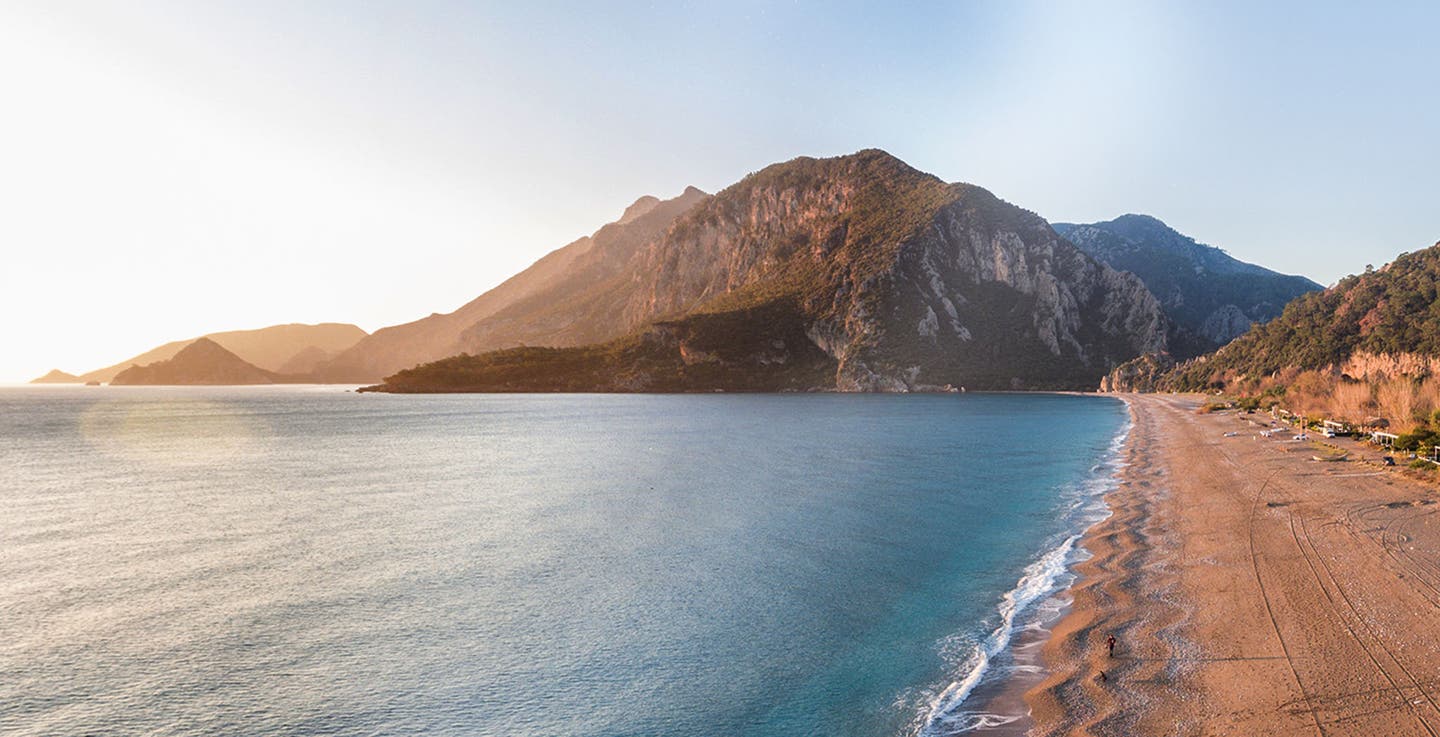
[{"x": 306, "y": 561}]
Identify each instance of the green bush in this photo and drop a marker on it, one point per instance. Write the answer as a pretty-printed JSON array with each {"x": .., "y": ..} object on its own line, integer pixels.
[{"x": 1412, "y": 441}]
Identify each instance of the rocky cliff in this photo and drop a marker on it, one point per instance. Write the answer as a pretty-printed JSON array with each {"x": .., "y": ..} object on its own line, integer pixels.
[
  {"x": 900, "y": 280},
  {"x": 1146, "y": 373},
  {"x": 1209, "y": 296}
]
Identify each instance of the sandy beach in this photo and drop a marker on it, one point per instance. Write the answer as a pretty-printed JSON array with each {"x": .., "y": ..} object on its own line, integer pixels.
[{"x": 1251, "y": 590}]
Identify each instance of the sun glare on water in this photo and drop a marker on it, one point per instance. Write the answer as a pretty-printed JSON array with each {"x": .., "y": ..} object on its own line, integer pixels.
[{"x": 175, "y": 432}]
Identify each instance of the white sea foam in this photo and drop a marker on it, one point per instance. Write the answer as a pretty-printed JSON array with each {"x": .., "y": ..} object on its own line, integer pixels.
[{"x": 1040, "y": 583}]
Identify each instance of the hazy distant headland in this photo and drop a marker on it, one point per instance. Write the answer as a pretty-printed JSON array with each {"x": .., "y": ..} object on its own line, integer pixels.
[
  {"x": 292, "y": 349},
  {"x": 203, "y": 362}
]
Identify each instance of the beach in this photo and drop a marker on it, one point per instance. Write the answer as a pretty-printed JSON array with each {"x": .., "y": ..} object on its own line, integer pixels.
[{"x": 1250, "y": 589}]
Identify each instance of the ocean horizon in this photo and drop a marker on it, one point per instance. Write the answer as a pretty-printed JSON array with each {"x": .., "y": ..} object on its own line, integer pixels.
[{"x": 306, "y": 560}]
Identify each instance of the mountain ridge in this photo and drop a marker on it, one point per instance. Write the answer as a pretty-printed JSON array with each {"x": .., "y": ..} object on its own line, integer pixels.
[
  {"x": 871, "y": 253},
  {"x": 1211, "y": 296}
]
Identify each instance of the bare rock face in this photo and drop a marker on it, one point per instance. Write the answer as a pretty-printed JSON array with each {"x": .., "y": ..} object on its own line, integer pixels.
[
  {"x": 999, "y": 301},
  {"x": 1144, "y": 374},
  {"x": 909, "y": 283},
  {"x": 1225, "y": 323},
  {"x": 1366, "y": 366}
]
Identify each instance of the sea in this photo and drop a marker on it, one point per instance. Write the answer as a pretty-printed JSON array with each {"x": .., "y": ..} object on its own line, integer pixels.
[{"x": 313, "y": 561}]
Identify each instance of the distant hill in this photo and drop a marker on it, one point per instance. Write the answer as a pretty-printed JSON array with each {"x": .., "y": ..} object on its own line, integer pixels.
[
  {"x": 1386, "y": 320},
  {"x": 274, "y": 348},
  {"x": 56, "y": 376},
  {"x": 1210, "y": 296},
  {"x": 854, "y": 273},
  {"x": 556, "y": 301},
  {"x": 202, "y": 362},
  {"x": 307, "y": 360}
]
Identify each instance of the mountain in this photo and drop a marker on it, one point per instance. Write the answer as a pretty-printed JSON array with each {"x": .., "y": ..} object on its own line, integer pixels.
[
  {"x": 271, "y": 348},
  {"x": 854, "y": 273},
  {"x": 203, "y": 361},
  {"x": 1210, "y": 296},
  {"x": 1382, "y": 322},
  {"x": 56, "y": 376},
  {"x": 568, "y": 276},
  {"x": 306, "y": 361}
]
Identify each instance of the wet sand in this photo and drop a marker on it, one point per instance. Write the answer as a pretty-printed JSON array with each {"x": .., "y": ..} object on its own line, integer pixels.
[{"x": 1252, "y": 591}]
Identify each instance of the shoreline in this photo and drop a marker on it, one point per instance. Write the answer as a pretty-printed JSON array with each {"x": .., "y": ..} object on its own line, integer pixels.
[
  {"x": 1030, "y": 664},
  {"x": 992, "y": 701},
  {"x": 1251, "y": 589},
  {"x": 1071, "y": 698}
]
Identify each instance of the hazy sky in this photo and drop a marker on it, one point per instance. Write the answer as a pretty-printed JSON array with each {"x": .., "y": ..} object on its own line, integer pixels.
[{"x": 172, "y": 169}]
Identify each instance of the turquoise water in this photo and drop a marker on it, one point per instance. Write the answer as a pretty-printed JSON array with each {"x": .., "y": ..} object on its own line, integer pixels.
[{"x": 309, "y": 561}]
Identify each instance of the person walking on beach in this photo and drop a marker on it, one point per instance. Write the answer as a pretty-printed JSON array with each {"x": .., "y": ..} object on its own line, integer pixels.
[{"x": 1111, "y": 643}]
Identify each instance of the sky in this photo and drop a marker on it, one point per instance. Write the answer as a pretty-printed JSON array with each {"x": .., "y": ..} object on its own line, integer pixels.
[{"x": 169, "y": 169}]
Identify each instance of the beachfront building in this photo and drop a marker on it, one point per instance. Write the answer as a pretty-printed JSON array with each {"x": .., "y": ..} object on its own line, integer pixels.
[{"x": 1384, "y": 439}]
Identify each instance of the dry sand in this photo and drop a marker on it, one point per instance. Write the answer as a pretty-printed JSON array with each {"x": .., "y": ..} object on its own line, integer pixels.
[{"x": 1252, "y": 590}]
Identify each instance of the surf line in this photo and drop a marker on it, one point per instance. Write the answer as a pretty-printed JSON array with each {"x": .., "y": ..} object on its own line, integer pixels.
[{"x": 1037, "y": 582}]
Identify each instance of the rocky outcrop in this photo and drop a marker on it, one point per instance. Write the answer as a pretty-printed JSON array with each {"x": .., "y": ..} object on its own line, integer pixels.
[
  {"x": 1144, "y": 374},
  {"x": 901, "y": 280},
  {"x": 1210, "y": 297},
  {"x": 1365, "y": 366}
]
